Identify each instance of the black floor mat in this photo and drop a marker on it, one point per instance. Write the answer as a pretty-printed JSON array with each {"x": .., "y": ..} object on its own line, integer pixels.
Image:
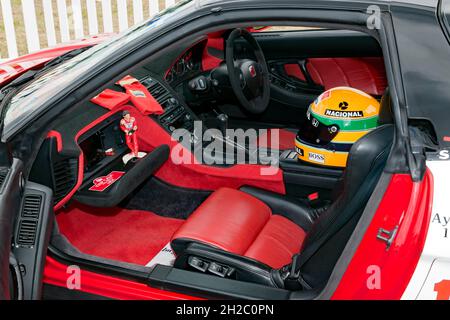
[{"x": 164, "y": 199}]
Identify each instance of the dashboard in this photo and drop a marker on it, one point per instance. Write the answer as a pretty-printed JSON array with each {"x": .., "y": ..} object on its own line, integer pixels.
[
  {"x": 97, "y": 153},
  {"x": 90, "y": 158}
]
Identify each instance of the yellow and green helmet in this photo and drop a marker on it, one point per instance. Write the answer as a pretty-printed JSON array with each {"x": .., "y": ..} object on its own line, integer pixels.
[{"x": 334, "y": 121}]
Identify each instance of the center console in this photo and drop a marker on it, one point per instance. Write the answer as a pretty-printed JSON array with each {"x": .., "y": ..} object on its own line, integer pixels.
[{"x": 176, "y": 115}]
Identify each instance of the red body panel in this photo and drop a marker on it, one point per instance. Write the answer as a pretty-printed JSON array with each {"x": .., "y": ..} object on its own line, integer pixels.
[
  {"x": 57, "y": 274},
  {"x": 11, "y": 69},
  {"x": 408, "y": 205}
]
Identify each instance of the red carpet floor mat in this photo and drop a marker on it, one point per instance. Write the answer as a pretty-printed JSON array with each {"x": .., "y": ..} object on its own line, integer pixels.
[{"x": 133, "y": 236}]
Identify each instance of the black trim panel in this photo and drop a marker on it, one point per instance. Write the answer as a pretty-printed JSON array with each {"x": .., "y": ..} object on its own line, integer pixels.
[{"x": 213, "y": 287}]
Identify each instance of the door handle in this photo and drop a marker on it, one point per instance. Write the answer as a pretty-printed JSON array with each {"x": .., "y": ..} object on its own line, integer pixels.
[
  {"x": 387, "y": 236},
  {"x": 303, "y": 66}
]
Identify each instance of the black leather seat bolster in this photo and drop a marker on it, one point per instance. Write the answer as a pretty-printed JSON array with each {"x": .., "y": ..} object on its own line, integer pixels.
[
  {"x": 246, "y": 269},
  {"x": 298, "y": 212}
]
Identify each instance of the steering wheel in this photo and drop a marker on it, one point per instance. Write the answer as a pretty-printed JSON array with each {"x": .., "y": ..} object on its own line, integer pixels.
[{"x": 249, "y": 79}]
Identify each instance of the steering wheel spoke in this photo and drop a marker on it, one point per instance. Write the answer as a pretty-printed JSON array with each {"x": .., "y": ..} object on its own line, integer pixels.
[{"x": 249, "y": 79}]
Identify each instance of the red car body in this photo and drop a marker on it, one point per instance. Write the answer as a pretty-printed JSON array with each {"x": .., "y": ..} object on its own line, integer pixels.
[
  {"x": 406, "y": 204},
  {"x": 405, "y": 209},
  {"x": 11, "y": 69}
]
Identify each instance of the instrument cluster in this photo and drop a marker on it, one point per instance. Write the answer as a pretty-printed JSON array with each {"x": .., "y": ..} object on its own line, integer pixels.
[{"x": 185, "y": 66}]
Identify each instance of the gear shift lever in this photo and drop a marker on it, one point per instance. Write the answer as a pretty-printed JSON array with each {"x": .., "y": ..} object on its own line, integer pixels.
[{"x": 223, "y": 124}]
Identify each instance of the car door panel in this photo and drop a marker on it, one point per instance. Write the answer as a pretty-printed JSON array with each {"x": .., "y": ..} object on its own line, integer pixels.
[
  {"x": 31, "y": 236},
  {"x": 363, "y": 73},
  {"x": 10, "y": 177}
]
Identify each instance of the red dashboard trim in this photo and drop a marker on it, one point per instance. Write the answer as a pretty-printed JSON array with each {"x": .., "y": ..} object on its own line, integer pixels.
[
  {"x": 182, "y": 54},
  {"x": 57, "y": 135},
  {"x": 202, "y": 177},
  {"x": 64, "y": 200},
  {"x": 210, "y": 61}
]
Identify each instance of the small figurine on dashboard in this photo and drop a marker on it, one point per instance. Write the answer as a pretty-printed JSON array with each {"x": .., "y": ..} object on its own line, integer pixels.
[{"x": 128, "y": 125}]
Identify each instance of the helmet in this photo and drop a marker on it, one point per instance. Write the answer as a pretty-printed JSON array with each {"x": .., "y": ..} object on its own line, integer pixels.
[{"x": 334, "y": 121}]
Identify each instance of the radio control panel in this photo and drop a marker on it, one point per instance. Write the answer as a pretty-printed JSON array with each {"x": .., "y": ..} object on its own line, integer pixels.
[{"x": 176, "y": 114}]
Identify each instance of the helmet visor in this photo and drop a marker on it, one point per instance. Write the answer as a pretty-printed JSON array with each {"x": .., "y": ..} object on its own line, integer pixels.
[{"x": 316, "y": 133}]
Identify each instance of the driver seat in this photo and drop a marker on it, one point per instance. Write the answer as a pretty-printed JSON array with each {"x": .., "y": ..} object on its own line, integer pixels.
[{"x": 264, "y": 238}]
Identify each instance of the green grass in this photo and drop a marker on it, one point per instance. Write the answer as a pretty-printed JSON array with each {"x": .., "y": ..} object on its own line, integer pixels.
[{"x": 20, "y": 28}]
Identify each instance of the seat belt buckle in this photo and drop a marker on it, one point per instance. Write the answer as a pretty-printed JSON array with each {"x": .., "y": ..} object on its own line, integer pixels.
[
  {"x": 293, "y": 272},
  {"x": 290, "y": 274}
]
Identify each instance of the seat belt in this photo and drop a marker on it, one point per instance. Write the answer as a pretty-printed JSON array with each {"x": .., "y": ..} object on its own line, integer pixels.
[{"x": 361, "y": 197}]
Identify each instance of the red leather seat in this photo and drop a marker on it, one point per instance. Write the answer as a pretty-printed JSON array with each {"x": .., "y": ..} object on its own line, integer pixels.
[{"x": 239, "y": 223}]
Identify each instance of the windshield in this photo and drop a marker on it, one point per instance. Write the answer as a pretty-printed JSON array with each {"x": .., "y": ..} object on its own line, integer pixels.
[{"x": 32, "y": 98}]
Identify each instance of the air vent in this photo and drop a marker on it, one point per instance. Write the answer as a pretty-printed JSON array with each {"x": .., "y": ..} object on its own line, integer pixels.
[
  {"x": 31, "y": 206},
  {"x": 3, "y": 174},
  {"x": 27, "y": 233},
  {"x": 64, "y": 175},
  {"x": 158, "y": 92},
  {"x": 267, "y": 35}
]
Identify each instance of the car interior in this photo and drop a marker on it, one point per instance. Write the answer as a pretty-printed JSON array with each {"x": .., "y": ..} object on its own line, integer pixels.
[{"x": 226, "y": 222}]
